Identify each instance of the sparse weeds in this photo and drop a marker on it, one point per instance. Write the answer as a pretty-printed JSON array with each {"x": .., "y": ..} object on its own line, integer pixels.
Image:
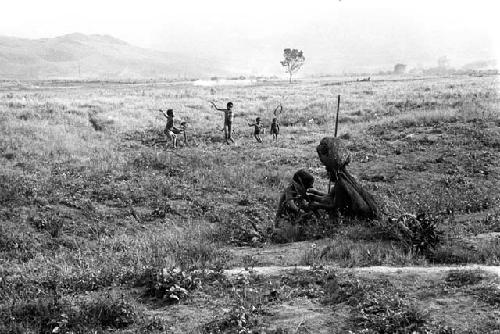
[
  {"x": 461, "y": 278},
  {"x": 54, "y": 315},
  {"x": 108, "y": 209},
  {"x": 174, "y": 284},
  {"x": 453, "y": 252},
  {"x": 348, "y": 253},
  {"x": 489, "y": 294},
  {"x": 417, "y": 234},
  {"x": 386, "y": 312}
]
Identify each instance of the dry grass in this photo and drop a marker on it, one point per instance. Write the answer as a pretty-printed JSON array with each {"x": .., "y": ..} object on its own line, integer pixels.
[{"x": 94, "y": 209}]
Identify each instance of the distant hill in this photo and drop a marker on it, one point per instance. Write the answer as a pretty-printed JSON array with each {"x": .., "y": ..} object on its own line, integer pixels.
[
  {"x": 481, "y": 65},
  {"x": 94, "y": 57}
]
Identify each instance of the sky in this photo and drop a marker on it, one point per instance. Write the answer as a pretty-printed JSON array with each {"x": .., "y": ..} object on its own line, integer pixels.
[{"x": 249, "y": 36}]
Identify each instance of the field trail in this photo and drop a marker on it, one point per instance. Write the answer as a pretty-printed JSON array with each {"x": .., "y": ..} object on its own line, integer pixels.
[
  {"x": 372, "y": 270},
  {"x": 274, "y": 260},
  {"x": 303, "y": 314}
]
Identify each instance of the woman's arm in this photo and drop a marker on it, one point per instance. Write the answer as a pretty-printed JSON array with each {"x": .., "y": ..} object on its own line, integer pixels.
[{"x": 316, "y": 192}]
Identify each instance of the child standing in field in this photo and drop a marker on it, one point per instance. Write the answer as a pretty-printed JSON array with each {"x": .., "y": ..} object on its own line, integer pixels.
[
  {"x": 228, "y": 121},
  {"x": 170, "y": 130},
  {"x": 275, "y": 128},
  {"x": 258, "y": 127}
]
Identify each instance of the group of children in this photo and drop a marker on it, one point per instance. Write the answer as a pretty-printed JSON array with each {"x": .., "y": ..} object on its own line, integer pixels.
[
  {"x": 297, "y": 200},
  {"x": 259, "y": 128},
  {"x": 171, "y": 131},
  {"x": 257, "y": 125}
]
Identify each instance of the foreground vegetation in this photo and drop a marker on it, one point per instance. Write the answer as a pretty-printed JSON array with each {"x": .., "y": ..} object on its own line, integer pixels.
[{"x": 100, "y": 226}]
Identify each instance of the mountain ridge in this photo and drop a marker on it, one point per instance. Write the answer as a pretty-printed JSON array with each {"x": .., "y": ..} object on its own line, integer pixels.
[{"x": 95, "y": 56}]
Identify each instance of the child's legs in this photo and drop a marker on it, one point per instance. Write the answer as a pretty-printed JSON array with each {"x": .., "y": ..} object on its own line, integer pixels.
[
  {"x": 230, "y": 132},
  {"x": 173, "y": 137}
]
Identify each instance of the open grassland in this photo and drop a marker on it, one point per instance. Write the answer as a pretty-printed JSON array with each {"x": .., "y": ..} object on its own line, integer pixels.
[{"x": 101, "y": 229}]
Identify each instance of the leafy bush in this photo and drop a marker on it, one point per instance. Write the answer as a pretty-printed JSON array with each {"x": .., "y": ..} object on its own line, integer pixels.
[
  {"x": 415, "y": 233},
  {"x": 174, "y": 284},
  {"x": 383, "y": 312},
  {"x": 238, "y": 320}
]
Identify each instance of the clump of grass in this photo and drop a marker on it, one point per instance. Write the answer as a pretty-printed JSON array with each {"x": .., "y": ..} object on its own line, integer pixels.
[
  {"x": 489, "y": 294},
  {"x": 16, "y": 244},
  {"x": 109, "y": 311},
  {"x": 175, "y": 284},
  {"x": 53, "y": 225},
  {"x": 385, "y": 312},
  {"x": 54, "y": 315},
  {"x": 461, "y": 278},
  {"x": 417, "y": 234},
  {"x": 376, "y": 307},
  {"x": 348, "y": 253},
  {"x": 458, "y": 253},
  {"x": 98, "y": 123},
  {"x": 348, "y": 290}
]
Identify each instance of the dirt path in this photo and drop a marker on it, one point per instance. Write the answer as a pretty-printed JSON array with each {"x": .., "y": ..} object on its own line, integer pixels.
[
  {"x": 380, "y": 270},
  {"x": 274, "y": 254},
  {"x": 426, "y": 285}
]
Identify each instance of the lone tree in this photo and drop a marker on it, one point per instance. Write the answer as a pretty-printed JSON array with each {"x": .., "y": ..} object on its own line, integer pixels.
[{"x": 294, "y": 59}]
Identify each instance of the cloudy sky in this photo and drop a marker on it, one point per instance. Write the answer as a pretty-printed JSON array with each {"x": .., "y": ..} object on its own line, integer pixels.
[{"x": 336, "y": 36}]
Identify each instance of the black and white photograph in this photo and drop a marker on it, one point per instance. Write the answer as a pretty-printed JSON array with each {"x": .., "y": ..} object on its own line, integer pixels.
[{"x": 249, "y": 167}]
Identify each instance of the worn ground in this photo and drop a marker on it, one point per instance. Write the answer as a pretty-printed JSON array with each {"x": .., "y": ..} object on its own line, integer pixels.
[{"x": 102, "y": 228}]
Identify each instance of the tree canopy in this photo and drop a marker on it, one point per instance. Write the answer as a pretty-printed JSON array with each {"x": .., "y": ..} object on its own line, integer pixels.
[{"x": 293, "y": 61}]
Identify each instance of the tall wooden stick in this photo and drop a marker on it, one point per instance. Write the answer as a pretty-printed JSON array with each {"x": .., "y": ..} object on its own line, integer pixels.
[
  {"x": 337, "y": 118},
  {"x": 335, "y": 135}
]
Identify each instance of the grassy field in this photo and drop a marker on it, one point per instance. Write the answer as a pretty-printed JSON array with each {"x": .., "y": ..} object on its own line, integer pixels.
[{"x": 103, "y": 230}]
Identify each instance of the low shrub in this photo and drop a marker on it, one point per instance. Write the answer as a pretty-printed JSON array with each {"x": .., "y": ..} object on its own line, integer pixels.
[
  {"x": 108, "y": 311},
  {"x": 383, "y": 312},
  {"x": 489, "y": 295},
  {"x": 461, "y": 278},
  {"x": 53, "y": 315},
  {"x": 173, "y": 284},
  {"x": 418, "y": 234}
]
